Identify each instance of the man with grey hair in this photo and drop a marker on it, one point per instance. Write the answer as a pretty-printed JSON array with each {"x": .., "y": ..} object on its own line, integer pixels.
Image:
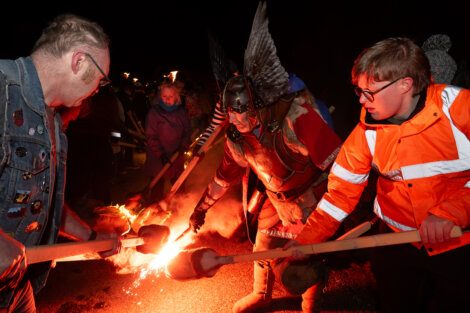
[{"x": 69, "y": 62}]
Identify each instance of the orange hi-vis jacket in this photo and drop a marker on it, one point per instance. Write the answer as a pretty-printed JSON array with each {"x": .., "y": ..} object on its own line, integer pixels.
[{"x": 423, "y": 166}]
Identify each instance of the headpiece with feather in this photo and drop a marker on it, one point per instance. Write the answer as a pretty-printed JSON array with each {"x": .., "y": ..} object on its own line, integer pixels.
[
  {"x": 223, "y": 68},
  {"x": 261, "y": 63},
  {"x": 264, "y": 79}
]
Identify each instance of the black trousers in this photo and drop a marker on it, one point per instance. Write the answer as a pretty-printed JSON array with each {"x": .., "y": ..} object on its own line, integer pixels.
[{"x": 409, "y": 280}]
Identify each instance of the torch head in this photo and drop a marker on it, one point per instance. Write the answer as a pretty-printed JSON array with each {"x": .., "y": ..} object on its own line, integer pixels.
[
  {"x": 155, "y": 237},
  {"x": 193, "y": 264}
]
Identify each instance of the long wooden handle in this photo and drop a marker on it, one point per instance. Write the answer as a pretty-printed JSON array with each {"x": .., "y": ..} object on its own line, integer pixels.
[
  {"x": 194, "y": 161},
  {"x": 39, "y": 254},
  {"x": 165, "y": 168},
  {"x": 332, "y": 246}
]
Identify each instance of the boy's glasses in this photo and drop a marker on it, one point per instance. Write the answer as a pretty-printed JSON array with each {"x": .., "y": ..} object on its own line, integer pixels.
[{"x": 368, "y": 94}]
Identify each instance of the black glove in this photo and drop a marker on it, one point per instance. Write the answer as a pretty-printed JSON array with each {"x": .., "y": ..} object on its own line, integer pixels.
[{"x": 197, "y": 219}]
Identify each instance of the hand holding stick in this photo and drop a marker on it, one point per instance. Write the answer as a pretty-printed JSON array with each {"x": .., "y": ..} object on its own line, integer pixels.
[{"x": 205, "y": 262}]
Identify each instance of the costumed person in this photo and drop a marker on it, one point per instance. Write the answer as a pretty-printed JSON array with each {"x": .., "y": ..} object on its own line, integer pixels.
[
  {"x": 168, "y": 130},
  {"x": 415, "y": 134},
  {"x": 68, "y": 63},
  {"x": 284, "y": 143}
]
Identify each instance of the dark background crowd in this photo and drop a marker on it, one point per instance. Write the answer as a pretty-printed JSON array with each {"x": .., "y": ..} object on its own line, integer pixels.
[{"x": 317, "y": 41}]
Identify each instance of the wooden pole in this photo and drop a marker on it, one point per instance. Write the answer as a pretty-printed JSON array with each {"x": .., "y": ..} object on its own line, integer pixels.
[
  {"x": 332, "y": 246},
  {"x": 160, "y": 174},
  {"x": 194, "y": 161},
  {"x": 45, "y": 253}
]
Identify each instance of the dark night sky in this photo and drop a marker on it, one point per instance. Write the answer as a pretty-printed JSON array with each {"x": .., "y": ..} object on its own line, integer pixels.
[{"x": 316, "y": 39}]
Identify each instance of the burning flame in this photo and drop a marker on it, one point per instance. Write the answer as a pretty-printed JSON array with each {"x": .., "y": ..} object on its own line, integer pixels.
[
  {"x": 126, "y": 213},
  {"x": 171, "y": 75},
  {"x": 165, "y": 256},
  {"x": 129, "y": 260}
]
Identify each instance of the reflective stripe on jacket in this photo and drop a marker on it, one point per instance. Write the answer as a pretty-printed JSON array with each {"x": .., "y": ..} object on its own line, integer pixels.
[{"x": 423, "y": 166}]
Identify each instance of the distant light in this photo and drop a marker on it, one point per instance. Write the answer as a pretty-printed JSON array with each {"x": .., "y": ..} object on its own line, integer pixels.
[
  {"x": 116, "y": 134},
  {"x": 126, "y": 75},
  {"x": 135, "y": 80},
  {"x": 171, "y": 75}
]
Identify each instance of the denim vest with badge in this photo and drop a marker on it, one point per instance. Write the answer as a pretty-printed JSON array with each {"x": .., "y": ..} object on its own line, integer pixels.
[{"x": 32, "y": 173}]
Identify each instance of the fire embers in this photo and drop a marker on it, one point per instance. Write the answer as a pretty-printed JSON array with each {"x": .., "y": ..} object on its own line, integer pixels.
[{"x": 110, "y": 219}]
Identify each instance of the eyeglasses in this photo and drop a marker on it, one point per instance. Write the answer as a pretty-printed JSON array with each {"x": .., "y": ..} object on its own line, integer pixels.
[
  {"x": 105, "y": 80},
  {"x": 370, "y": 94}
]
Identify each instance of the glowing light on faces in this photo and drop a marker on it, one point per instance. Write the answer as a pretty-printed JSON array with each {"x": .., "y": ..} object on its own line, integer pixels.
[
  {"x": 242, "y": 121},
  {"x": 384, "y": 107},
  {"x": 368, "y": 94},
  {"x": 169, "y": 95}
]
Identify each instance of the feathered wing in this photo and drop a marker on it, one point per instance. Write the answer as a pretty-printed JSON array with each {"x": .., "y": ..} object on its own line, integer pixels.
[
  {"x": 262, "y": 64},
  {"x": 222, "y": 67}
]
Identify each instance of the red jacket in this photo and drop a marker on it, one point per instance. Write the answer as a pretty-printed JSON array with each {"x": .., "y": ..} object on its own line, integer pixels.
[{"x": 423, "y": 165}]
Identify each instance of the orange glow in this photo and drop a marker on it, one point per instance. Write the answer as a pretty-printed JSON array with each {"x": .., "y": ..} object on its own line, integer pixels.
[
  {"x": 131, "y": 261},
  {"x": 171, "y": 75},
  {"x": 125, "y": 212},
  {"x": 169, "y": 251},
  {"x": 128, "y": 260}
]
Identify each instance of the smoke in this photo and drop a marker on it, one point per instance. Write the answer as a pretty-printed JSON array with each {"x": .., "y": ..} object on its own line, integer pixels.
[{"x": 226, "y": 216}]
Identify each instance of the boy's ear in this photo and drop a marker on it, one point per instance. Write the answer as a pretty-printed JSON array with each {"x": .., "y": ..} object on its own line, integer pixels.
[{"x": 406, "y": 84}]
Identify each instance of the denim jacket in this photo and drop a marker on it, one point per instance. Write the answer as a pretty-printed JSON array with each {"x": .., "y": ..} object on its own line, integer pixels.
[{"x": 32, "y": 160}]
